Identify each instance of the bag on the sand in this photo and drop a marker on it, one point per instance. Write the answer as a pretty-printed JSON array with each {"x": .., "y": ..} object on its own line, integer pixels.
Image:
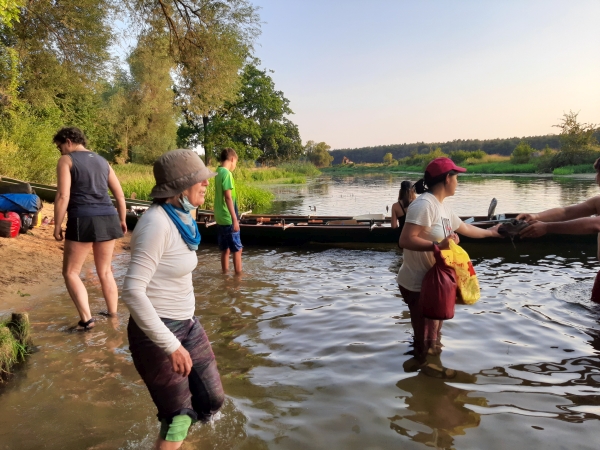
[
  {"x": 466, "y": 279},
  {"x": 10, "y": 223},
  {"x": 438, "y": 290},
  {"x": 26, "y": 222}
]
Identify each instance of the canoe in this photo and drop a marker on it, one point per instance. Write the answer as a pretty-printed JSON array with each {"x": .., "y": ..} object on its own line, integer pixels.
[
  {"x": 268, "y": 229},
  {"x": 48, "y": 193}
]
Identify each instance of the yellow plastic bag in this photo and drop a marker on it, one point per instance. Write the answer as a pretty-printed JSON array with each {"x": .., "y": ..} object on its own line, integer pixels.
[{"x": 466, "y": 279}]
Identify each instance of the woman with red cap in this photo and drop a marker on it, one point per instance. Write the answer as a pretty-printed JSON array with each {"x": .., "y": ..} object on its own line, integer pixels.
[{"x": 429, "y": 222}]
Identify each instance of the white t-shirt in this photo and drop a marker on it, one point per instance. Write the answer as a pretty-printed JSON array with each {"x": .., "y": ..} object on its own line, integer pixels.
[
  {"x": 439, "y": 222},
  {"x": 158, "y": 283}
]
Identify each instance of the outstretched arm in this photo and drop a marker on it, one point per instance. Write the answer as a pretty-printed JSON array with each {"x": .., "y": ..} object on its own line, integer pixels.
[
  {"x": 466, "y": 229},
  {"x": 569, "y": 213},
  {"x": 587, "y": 225}
]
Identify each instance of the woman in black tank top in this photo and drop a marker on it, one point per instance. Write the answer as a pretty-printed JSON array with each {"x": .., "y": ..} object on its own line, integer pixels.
[
  {"x": 405, "y": 197},
  {"x": 84, "y": 178}
]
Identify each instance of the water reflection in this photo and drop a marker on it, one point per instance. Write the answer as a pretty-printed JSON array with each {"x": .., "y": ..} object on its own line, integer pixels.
[{"x": 436, "y": 410}]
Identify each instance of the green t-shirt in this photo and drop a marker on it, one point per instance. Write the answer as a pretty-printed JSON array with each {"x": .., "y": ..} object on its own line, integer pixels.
[{"x": 224, "y": 182}]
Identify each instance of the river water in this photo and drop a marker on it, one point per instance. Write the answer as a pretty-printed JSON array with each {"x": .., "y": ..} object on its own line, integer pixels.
[{"x": 311, "y": 343}]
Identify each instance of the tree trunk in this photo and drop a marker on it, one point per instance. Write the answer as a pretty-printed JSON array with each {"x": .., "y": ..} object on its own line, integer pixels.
[{"x": 207, "y": 148}]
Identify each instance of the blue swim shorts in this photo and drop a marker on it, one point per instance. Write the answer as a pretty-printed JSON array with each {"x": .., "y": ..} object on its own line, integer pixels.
[{"x": 228, "y": 239}]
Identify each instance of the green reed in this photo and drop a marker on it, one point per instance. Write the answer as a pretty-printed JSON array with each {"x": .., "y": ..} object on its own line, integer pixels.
[
  {"x": 570, "y": 170},
  {"x": 139, "y": 178}
]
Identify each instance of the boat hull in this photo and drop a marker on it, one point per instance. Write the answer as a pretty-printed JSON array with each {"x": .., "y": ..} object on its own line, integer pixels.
[{"x": 274, "y": 230}]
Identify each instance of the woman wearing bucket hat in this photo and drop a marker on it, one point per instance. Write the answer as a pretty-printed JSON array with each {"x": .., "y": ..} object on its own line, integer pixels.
[
  {"x": 430, "y": 221},
  {"x": 168, "y": 345}
]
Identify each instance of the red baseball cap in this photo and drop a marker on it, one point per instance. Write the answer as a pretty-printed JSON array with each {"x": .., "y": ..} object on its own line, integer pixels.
[{"x": 440, "y": 166}]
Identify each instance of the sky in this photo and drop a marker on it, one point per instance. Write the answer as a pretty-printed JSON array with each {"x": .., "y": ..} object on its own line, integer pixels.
[{"x": 379, "y": 72}]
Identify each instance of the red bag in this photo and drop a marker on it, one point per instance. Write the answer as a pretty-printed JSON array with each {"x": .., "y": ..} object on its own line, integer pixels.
[
  {"x": 438, "y": 291},
  {"x": 10, "y": 224}
]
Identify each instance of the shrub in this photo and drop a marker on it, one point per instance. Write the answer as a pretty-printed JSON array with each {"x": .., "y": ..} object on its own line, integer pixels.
[
  {"x": 522, "y": 153},
  {"x": 459, "y": 156}
]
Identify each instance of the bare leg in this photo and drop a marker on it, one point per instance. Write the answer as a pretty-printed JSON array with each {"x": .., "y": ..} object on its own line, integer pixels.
[
  {"x": 73, "y": 259},
  {"x": 237, "y": 262},
  {"x": 225, "y": 261},
  {"x": 161, "y": 444},
  {"x": 103, "y": 252},
  {"x": 432, "y": 333}
]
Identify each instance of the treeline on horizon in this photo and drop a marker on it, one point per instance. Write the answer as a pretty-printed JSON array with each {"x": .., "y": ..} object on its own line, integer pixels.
[{"x": 502, "y": 147}]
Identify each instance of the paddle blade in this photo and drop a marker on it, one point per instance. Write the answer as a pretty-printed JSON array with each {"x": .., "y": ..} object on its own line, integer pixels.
[{"x": 492, "y": 208}]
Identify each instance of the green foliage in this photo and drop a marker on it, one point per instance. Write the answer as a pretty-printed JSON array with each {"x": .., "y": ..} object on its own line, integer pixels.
[
  {"x": 576, "y": 137},
  {"x": 318, "y": 153},
  {"x": 9, "y": 11},
  {"x": 421, "y": 160},
  {"x": 522, "y": 153},
  {"x": 56, "y": 70},
  {"x": 136, "y": 178},
  {"x": 300, "y": 167},
  {"x": 388, "y": 158},
  {"x": 570, "y": 170},
  {"x": 139, "y": 178},
  {"x": 254, "y": 124},
  {"x": 14, "y": 344},
  {"x": 460, "y": 156},
  {"x": 490, "y": 146},
  {"x": 250, "y": 198},
  {"x": 502, "y": 167},
  {"x": 26, "y": 148}
]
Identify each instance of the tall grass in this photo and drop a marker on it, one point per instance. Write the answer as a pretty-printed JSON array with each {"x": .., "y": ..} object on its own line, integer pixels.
[
  {"x": 139, "y": 178},
  {"x": 296, "y": 171},
  {"x": 14, "y": 343},
  {"x": 570, "y": 170},
  {"x": 501, "y": 168}
]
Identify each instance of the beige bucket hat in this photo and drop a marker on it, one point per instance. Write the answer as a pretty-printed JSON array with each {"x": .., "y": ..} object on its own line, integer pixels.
[{"x": 177, "y": 170}]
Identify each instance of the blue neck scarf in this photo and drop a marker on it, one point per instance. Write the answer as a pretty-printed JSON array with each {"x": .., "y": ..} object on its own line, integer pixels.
[{"x": 187, "y": 226}]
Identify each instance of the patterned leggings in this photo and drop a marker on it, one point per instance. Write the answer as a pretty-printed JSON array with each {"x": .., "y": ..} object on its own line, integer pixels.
[{"x": 198, "y": 395}]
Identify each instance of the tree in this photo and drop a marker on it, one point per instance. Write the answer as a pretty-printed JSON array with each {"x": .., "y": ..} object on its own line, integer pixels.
[
  {"x": 522, "y": 153},
  {"x": 209, "y": 40},
  {"x": 255, "y": 123},
  {"x": 574, "y": 136},
  {"x": 388, "y": 158},
  {"x": 318, "y": 154}
]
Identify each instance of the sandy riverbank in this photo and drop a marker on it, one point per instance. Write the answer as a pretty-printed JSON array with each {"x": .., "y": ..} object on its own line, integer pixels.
[{"x": 31, "y": 263}]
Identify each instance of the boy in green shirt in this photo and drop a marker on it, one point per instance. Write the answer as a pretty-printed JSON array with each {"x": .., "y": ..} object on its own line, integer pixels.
[{"x": 226, "y": 212}]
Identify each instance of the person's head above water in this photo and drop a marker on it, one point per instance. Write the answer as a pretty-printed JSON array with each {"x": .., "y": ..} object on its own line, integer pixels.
[
  {"x": 178, "y": 171},
  {"x": 436, "y": 172}
]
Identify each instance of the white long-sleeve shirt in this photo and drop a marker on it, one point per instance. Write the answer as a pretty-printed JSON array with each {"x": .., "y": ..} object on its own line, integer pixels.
[{"x": 158, "y": 283}]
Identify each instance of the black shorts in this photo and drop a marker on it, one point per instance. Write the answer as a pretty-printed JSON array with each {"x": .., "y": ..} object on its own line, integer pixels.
[{"x": 93, "y": 228}]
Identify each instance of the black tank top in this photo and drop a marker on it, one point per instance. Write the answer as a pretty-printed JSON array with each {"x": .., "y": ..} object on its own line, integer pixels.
[
  {"x": 89, "y": 186},
  {"x": 402, "y": 219}
]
